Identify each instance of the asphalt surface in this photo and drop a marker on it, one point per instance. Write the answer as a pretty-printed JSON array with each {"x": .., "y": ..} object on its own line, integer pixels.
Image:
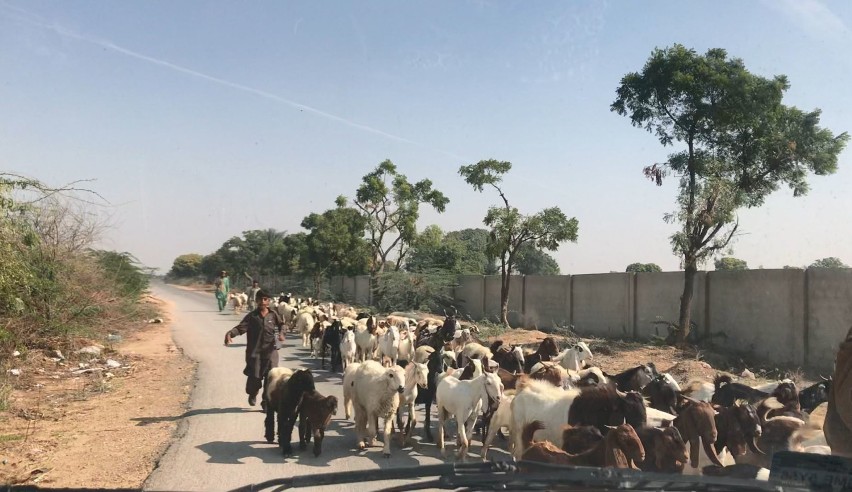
[{"x": 220, "y": 443}]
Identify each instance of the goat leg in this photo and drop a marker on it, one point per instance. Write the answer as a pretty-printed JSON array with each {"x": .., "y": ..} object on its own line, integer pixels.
[
  {"x": 303, "y": 431},
  {"x": 269, "y": 424},
  {"x": 387, "y": 436}
]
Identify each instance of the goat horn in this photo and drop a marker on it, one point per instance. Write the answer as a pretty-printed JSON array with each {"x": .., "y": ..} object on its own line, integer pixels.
[
  {"x": 711, "y": 453},
  {"x": 752, "y": 443}
]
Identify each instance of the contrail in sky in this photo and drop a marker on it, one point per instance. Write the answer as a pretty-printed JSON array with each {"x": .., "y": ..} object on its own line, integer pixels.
[{"x": 32, "y": 19}]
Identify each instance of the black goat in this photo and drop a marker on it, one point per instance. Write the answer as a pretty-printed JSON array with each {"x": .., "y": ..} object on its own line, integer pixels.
[
  {"x": 815, "y": 395},
  {"x": 662, "y": 394},
  {"x": 634, "y": 379},
  {"x": 331, "y": 338},
  {"x": 603, "y": 406},
  {"x": 728, "y": 392},
  {"x": 435, "y": 363},
  {"x": 285, "y": 397}
]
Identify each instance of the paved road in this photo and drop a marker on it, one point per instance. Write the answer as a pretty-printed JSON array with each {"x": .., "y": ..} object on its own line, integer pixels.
[{"x": 221, "y": 444}]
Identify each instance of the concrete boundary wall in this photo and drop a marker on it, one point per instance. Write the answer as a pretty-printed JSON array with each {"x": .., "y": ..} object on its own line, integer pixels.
[{"x": 780, "y": 316}]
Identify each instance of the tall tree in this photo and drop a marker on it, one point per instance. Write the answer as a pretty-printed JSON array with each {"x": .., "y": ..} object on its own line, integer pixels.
[
  {"x": 730, "y": 263},
  {"x": 188, "y": 265},
  {"x": 830, "y": 262},
  {"x": 476, "y": 259},
  {"x": 739, "y": 144},
  {"x": 510, "y": 230},
  {"x": 391, "y": 207},
  {"x": 335, "y": 243},
  {"x": 643, "y": 267},
  {"x": 533, "y": 261}
]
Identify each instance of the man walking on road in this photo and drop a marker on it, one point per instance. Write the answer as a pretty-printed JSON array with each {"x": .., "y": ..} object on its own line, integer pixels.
[
  {"x": 223, "y": 287},
  {"x": 252, "y": 293},
  {"x": 261, "y": 326}
]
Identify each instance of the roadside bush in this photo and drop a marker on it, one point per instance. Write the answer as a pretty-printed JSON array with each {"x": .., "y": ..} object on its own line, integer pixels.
[{"x": 403, "y": 291}]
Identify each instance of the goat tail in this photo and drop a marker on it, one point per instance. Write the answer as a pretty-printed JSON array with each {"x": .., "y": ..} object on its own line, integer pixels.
[{"x": 529, "y": 431}]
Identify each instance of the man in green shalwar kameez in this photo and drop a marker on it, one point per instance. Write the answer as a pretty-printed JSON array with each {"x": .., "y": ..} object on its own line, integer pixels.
[{"x": 223, "y": 286}]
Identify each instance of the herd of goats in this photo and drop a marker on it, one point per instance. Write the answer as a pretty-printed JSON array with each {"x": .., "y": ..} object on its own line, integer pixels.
[{"x": 555, "y": 407}]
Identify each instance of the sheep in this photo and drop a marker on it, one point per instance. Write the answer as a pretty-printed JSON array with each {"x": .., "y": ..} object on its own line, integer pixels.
[
  {"x": 349, "y": 387},
  {"x": 304, "y": 323},
  {"x": 284, "y": 390},
  {"x": 416, "y": 375},
  {"x": 389, "y": 344},
  {"x": 376, "y": 391},
  {"x": 621, "y": 448},
  {"x": 347, "y": 348},
  {"x": 464, "y": 399},
  {"x": 572, "y": 358},
  {"x": 314, "y": 415},
  {"x": 501, "y": 418},
  {"x": 540, "y": 400},
  {"x": 547, "y": 350}
]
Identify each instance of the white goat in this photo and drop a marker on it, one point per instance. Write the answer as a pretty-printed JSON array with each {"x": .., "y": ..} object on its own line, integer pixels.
[
  {"x": 238, "y": 301},
  {"x": 460, "y": 339},
  {"x": 389, "y": 344},
  {"x": 304, "y": 323},
  {"x": 365, "y": 343},
  {"x": 474, "y": 350},
  {"x": 572, "y": 358},
  {"x": 502, "y": 418},
  {"x": 406, "y": 345},
  {"x": 540, "y": 400},
  {"x": 348, "y": 347},
  {"x": 422, "y": 353},
  {"x": 464, "y": 399},
  {"x": 416, "y": 374},
  {"x": 349, "y": 387},
  {"x": 376, "y": 394}
]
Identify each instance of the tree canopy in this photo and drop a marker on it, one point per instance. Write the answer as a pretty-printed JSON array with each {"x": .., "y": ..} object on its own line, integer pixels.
[
  {"x": 510, "y": 230},
  {"x": 188, "y": 265},
  {"x": 830, "y": 262},
  {"x": 730, "y": 263},
  {"x": 391, "y": 206},
  {"x": 737, "y": 143},
  {"x": 643, "y": 267}
]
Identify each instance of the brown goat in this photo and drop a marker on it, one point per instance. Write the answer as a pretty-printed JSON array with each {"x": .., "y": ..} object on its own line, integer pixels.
[
  {"x": 696, "y": 422},
  {"x": 576, "y": 440},
  {"x": 508, "y": 379},
  {"x": 547, "y": 350},
  {"x": 314, "y": 415},
  {"x": 549, "y": 373},
  {"x": 738, "y": 427},
  {"x": 665, "y": 451},
  {"x": 620, "y": 449}
]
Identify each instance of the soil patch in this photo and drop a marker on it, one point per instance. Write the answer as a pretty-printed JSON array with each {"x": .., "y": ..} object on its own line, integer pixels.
[{"x": 87, "y": 422}]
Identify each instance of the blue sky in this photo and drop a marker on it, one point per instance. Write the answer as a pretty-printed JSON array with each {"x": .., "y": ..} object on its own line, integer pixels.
[{"x": 199, "y": 120}]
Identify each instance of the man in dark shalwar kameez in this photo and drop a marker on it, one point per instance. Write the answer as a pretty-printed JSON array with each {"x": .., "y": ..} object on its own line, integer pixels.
[
  {"x": 262, "y": 326},
  {"x": 838, "y": 417}
]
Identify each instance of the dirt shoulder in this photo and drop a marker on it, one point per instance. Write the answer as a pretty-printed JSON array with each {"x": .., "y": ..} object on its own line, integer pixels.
[{"x": 106, "y": 428}]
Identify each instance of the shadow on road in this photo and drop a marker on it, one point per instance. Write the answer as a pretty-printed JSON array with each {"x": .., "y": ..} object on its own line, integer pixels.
[
  {"x": 200, "y": 411},
  {"x": 232, "y": 453},
  {"x": 232, "y": 344}
]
